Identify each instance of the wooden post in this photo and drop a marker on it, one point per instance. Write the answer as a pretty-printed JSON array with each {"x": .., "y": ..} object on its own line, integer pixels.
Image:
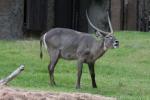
[{"x": 12, "y": 75}]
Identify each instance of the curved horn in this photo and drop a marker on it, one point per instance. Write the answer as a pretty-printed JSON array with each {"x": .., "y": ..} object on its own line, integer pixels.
[
  {"x": 103, "y": 32},
  {"x": 110, "y": 26}
]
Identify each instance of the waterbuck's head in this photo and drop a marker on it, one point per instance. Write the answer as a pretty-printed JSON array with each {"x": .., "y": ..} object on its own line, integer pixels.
[{"x": 109, "y": 39}]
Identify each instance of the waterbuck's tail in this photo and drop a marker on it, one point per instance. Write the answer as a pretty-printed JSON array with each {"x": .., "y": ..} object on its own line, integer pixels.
[{"x": 41, "y": 42}]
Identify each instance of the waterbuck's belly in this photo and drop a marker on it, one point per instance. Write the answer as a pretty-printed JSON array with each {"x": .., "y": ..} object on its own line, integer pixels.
[
  {"x": 68, "y": 54},
  {"x": 73, "y": 53},
  {"x": 86, "y": 58}
]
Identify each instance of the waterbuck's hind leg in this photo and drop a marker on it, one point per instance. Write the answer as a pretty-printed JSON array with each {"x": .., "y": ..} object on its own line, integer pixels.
[
  {"x": 54, "y": 59},
  {"x": 92, "y": 73},
  {"x": 79, "y": 73}
]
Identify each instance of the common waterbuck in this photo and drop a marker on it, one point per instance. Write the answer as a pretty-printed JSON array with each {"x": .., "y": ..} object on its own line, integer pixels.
[{"x": 73, "y": 45}]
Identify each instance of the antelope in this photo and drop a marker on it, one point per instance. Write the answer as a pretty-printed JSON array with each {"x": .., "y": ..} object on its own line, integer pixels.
[{"x": 70, "y": 44}]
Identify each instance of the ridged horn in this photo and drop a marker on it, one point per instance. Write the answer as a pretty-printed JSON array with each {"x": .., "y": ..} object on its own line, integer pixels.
[
  {"x": 110, "y": 26},
  {"x": 93, "y": 26}
]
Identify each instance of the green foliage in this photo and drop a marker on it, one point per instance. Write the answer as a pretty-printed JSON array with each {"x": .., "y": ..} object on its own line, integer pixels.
[{"x": 123, "y": 73}]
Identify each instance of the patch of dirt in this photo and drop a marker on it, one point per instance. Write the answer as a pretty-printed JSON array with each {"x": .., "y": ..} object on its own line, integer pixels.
[{"x": 7, "y": 93}]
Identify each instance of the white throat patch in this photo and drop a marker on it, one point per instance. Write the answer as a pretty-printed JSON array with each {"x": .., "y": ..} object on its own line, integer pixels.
[{"x": 105, "y": 48}]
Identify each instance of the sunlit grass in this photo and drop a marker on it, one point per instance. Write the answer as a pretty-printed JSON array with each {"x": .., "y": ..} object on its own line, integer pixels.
[{"x": 123, "y": 73}]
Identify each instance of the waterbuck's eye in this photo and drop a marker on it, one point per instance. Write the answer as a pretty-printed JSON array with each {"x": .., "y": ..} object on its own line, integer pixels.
[{"x": 108, "y": 37}]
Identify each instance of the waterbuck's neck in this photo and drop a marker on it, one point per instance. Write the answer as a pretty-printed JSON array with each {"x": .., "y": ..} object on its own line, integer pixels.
[{"x": 101, "y": 48}]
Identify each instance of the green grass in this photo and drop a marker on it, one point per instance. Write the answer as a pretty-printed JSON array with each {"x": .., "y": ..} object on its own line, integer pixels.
[{"x": 123, "y": 73}]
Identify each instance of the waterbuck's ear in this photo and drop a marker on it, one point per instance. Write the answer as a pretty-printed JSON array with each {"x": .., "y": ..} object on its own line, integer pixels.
[{"x": 98, "y": 34}]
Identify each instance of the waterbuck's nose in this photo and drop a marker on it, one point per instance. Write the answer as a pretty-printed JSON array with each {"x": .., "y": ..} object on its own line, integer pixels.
[
  {"x": 116, "y": 44},
  {"x": 117, "y": 41}
]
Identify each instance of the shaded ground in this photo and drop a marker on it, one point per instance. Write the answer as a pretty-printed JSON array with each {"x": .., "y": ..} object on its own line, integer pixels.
[{"x": 7, "y": 93}]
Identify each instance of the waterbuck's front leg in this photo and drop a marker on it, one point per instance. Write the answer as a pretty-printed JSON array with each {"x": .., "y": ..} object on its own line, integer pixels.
[
  {"x": 54, "y": 59},
  {"x": 79, "y": 73},
  {"x": 92, "y": 73}
]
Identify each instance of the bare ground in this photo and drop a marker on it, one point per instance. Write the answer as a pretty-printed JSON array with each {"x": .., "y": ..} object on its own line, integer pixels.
[{"x": 7, "y": 93}]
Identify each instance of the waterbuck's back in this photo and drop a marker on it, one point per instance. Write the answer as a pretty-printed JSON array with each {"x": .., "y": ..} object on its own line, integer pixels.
[{"x": 61, "y": 37}]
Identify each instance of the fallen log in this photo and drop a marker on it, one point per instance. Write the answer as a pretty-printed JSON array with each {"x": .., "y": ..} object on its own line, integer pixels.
[{"x": 10, "y": 77}]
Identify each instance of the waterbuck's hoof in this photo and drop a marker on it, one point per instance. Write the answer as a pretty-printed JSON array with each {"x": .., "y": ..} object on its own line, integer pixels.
[
  {"x": 52, "y": 83},
  {"x": 77, "y": 87},
  {"x": 95, "y": 86}
]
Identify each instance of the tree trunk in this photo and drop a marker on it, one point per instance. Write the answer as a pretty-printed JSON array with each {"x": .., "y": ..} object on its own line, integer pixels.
[{"x": 12, "y": 75}]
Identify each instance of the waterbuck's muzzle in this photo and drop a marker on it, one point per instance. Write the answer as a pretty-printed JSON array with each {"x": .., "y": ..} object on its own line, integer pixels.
[{"x": 116, "y": 44}]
